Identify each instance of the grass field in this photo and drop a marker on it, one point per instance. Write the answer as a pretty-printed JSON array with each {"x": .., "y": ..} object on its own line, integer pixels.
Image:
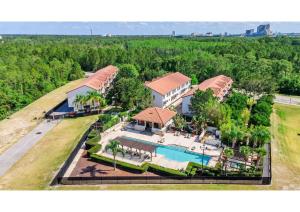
[
  {"x": 286, "y": 147},
  {"x": 36, "y": 169},
  {"x": 23, "y": 121}
]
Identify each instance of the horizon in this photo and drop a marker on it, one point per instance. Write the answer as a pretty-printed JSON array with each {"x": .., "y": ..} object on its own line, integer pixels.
[{"x": 139, "y": 28}]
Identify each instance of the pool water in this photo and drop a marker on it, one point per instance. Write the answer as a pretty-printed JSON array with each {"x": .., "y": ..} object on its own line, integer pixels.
[
  {"x": 176, "y": 153},
  {"x": 181, "y": 155}
]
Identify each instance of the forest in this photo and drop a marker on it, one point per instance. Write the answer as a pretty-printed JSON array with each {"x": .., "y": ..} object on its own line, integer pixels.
[{"x": 31, "y": 66}]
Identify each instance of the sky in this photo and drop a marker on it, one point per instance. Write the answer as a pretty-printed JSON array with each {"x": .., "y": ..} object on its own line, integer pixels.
[{"x": 139, "y": 28}]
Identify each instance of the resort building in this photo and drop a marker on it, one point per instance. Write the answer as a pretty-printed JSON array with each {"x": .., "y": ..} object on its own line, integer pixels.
[
  {"x": 154, "y": 119},
  {"x": 220, "y": 85},
  {"x": 168, "y": 88},
  {"x": 100, "y": 81}
]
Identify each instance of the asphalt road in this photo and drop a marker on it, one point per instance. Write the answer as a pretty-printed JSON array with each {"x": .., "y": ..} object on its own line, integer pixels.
[
  {"x": 287, "y": 100},
  {"x": 17, "y": 151}
]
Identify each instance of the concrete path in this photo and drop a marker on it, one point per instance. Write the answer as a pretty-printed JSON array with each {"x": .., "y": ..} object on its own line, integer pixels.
[
  {"x": 287, "y": 100},
  {"x": 18, "y": 150}
]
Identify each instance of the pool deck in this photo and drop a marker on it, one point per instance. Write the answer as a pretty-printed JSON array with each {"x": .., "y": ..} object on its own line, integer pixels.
[{"x": 169, "y": 139}]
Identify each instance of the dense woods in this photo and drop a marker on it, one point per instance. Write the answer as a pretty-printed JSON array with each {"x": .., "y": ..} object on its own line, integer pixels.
[{"x": 31, "y": 66}]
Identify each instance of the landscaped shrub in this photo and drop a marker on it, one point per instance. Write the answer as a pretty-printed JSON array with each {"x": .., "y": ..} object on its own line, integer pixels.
[
  {"x": 94, "y": 149},
  {"x": 93, "y": 134},
  {"x": 92, "y": 142},
  {"x": 120, "y": 164},
  {"x": 107, "y": 121},
  {"x": 262, "y": 110},
  {"x": 164, "y": 170}
]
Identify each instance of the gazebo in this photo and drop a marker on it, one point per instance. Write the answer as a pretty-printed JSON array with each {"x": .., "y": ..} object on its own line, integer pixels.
[
  {"x": 154, "y": 119},
  {"x": 130, "y": 143}
]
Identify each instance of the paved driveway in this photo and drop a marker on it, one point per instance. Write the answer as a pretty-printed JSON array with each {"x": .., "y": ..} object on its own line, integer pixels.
[
  {"x": 15, "y": 152},
  {"x": 287, "y": 100}
]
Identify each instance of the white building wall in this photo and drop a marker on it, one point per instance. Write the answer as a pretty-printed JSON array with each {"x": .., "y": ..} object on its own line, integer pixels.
[
  {"x": 164, "y": 101},
  {"x": 157, "y": 99},
  {"x": 79, "y": 91}
]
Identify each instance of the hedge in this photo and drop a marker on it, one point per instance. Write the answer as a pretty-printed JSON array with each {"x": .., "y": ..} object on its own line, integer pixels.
[
  {"x": 121, "y": 164},
  {"x": 93, "y": 134},
  {"x": 107, "y": 121},
  {"x": 143, "y": 168},
  {"x": 164, "y": 170},
  {"x": 92, "y": 142}
]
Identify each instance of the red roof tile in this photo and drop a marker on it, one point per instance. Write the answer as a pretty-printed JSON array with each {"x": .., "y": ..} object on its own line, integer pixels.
[
  {"x": 155, "y": 115},
  {"x": 168, "y": 82},
  {"x": 99, "y": 78},
  {"x": 217, "y": 84}
]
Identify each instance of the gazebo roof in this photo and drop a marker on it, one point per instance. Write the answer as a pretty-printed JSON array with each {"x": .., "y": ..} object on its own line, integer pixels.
[
  {"x": 155, "y": 115},
  {"x": 124, "y": 141}
]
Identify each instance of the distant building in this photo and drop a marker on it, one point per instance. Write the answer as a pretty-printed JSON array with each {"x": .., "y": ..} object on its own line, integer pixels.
[
  {"x": 173, "y": 33},
  {"x": 100, "y": 82},
  {"x": 209, "y": 34},
  {"x": 168, "y": 88},
  {"x": 249, "y": 32},
  {"x": 264, "y": 29},
  {"x": 220, "y": 85}
]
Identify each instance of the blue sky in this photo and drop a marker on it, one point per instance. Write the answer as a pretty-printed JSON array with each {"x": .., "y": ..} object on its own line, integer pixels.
[{"x": 138, "y": 28}]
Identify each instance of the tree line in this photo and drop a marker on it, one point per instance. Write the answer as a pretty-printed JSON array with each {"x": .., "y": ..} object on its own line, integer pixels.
[{"x": 31, "y": 66}]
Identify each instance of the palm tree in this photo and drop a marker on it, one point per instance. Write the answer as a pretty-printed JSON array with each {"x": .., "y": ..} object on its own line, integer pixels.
[
  {"x": 179, "y": 122},
  {"x": 96, "y": 99},
  {"x": 260, "y": 135},
  {"x": 235, "y": 134},
  {"x": 261, "y": 152},
  {"x": 250, "y": 103},
  {"x": 227, "y": 154},
  {"x": 114, "y": 147},
  {"x": 199, "y": 123},
  {"x": 80, "y": 100},
  {"x": 246, "y": 152}
]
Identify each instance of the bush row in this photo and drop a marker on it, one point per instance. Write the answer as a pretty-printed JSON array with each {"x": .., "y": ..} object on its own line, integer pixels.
[
  {"x": 261, "y": 111},
  {"x": 107, "y": 121}
]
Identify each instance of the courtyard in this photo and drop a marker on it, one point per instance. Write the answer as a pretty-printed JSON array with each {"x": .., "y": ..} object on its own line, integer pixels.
[{"x": 169, "y": 140}]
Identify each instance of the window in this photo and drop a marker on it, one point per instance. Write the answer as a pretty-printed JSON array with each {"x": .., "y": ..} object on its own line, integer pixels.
[
  {"x": 153, "y": 97},
  {"x": 156, "y": 125}
]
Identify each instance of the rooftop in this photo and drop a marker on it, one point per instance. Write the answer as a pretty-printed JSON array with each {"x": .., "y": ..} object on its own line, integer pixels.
[
  {"x": 155, "y": 115},
  {"x": 217, "y": 84},
  {"x": 168, "y": 82},
  {"x": 99, "y": 78}
]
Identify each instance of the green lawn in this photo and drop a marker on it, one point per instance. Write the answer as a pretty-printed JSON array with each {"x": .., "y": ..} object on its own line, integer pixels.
[{"x": 36, "y": 169}]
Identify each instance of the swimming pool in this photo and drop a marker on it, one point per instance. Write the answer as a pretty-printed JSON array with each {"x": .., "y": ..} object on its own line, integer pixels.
[{"x": 176, "y": 153}]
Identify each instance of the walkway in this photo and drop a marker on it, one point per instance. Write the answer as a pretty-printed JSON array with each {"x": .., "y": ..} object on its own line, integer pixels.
[
  {"x": 17, "y": 151},
  {"x": 289, "y": 100}
]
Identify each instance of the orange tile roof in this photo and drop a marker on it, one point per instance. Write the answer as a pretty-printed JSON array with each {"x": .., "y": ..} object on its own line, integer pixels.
[
  {"x": 155, "y": 115},
  {"x": 99, "y": 78},
  {"x": 217, "y": 84},
  {"x": 167, "y": 83}
]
